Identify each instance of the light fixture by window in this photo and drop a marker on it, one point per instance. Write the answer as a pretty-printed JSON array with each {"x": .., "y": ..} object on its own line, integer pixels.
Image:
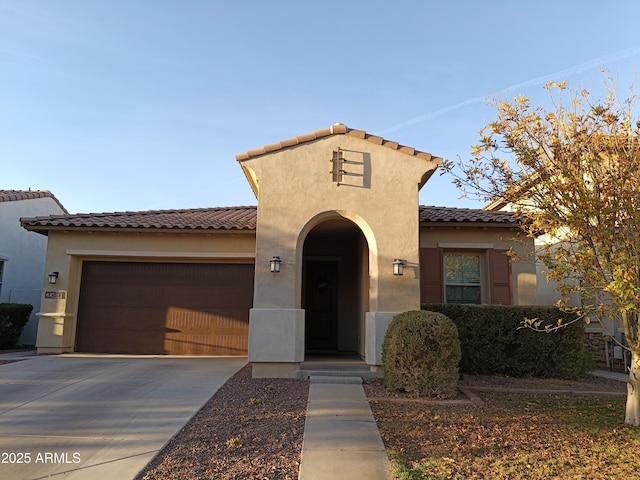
[
  {"x": 398, "y": 266},
  {"x": 53, "y": 278},
  {"x": 274, "y": 264}
]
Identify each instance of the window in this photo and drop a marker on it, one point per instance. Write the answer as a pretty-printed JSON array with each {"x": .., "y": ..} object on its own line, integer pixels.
[
  {"x": 462, "y": 278},
  {"x": 465, "y": 276},
  {"x": 1, "y": 272}
]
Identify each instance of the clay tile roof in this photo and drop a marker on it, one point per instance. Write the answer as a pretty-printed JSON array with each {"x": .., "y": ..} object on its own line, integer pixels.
[
  {"x": 430, "y": 214},
  {"x": 16, "y": 195},
  {"x": 337, "y": 129},
  {"x": 229, "y": 218}
]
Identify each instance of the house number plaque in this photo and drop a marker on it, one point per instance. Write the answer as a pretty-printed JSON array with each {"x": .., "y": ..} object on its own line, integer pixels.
[{"x": 60, "y": 295}]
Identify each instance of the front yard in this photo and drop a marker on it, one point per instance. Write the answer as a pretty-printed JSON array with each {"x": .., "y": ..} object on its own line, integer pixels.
[
  {"x": 252, "y": 429},
  {"x": 513, "y": 436}
]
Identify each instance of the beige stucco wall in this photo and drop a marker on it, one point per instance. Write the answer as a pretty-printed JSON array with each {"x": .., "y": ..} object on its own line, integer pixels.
[
  {"x": 523, "y": 269},
  {"x": 296, "y": 192},
  {"x": 67, "y": 250}
]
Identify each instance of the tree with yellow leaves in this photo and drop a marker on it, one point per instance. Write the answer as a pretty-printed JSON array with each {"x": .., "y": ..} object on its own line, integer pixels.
[{"x": 573, "y": 170}]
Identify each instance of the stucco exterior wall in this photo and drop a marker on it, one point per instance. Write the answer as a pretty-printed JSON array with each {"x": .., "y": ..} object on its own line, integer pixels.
[
  {"x": 380, "y": 195},
  {"x": 23, "y": 254},
  {"x": 68, "y": 249},
  {"x": 481, "y": 239},
  {"x": 296, "y": 192}
]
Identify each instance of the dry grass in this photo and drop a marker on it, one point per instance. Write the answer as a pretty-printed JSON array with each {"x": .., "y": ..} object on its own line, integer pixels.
[{"x": 513, "y": 436}]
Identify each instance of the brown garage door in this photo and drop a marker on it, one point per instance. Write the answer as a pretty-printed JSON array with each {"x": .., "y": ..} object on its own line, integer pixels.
[{"x": 164, "y": 308}]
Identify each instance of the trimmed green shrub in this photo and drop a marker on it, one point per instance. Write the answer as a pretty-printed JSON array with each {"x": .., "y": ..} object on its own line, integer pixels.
[
  {"x": 13, "y": 318},
  {"x": 420, "y": 354},
  {"x": 492, "y": 343}
]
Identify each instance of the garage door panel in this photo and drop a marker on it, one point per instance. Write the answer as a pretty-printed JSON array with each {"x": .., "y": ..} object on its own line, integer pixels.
[
  {"x": 122, "y": 317},
  {"x": 226, "y": 294},
  {"x": 144, "y": 343},
  {"x": 200, "y": 309},
  {"x": 121, "y": 294},
  {"x": 201, "y": 345}
]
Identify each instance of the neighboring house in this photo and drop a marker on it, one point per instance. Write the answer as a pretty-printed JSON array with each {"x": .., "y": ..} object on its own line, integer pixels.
[
  {"x": 22, "y": 253},
  {"x": 598, "y": 336},
  {"x": 312, "y": 268}
]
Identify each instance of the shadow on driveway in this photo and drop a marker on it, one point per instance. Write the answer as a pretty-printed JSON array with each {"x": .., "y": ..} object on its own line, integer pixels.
[{"x": 99, "y": 416}]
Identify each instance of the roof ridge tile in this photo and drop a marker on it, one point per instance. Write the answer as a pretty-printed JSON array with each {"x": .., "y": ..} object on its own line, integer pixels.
[{"x": 336, "y": 129}]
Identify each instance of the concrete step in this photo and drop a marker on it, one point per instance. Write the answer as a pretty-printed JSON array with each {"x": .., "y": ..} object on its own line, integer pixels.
[
  {"x": 338, "y": 379},
  {"x": 363, "y": 374}
]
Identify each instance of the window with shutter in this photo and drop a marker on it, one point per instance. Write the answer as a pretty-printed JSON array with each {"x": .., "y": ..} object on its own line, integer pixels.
[
  {"x": 431, "y": 275},
  {"x": 457, "y": 276},
  {"x": 500, "y": 271}
]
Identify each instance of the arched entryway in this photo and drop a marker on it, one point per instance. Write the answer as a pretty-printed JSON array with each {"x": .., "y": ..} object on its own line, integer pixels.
[{"x": 335, "y": 287}]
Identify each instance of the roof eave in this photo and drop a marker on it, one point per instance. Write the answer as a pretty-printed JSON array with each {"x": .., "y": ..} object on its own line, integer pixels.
[
  {"x": 454, "y": 224},
  {"x": 251, "y": 178},
  {"x": 45, "y": 229}
]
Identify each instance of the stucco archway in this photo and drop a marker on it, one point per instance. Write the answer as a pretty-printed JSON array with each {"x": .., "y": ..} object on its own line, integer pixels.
[{"x": 335, "y": 276}]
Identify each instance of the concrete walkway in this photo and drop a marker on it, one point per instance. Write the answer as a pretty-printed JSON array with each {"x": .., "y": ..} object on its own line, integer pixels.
[
  {"x": 341, "y": 438},
  {"x": 621, "y": 377}
]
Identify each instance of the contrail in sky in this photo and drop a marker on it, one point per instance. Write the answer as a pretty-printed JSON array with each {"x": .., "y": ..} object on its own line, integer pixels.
[{"x": 597, "y": 62}]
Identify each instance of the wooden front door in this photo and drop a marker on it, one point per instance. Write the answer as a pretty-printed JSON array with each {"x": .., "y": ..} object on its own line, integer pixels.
[{"x": 321, "y": 305}]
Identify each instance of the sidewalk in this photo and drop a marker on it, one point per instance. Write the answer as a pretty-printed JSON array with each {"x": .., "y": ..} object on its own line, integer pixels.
[
  {"x": 622, "y": 377},
  {"x": 17, "y": 354},
  {"x": 341, "y": 438}
]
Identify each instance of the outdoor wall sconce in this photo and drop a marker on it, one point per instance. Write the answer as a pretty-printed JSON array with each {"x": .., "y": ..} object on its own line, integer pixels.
[
  {"x": 53, "y": 278},
  {"x": 274, "y": 264},
  {"x": 398, "y": 266}
]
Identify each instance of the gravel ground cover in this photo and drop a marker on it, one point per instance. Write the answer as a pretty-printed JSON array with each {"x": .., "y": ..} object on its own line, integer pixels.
[
  {"x": 250, "y": 429},
  {"x": 253, "y": 429}
]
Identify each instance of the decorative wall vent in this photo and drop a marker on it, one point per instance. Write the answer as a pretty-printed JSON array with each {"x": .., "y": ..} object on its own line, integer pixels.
[{"x": 338, "y": 162}]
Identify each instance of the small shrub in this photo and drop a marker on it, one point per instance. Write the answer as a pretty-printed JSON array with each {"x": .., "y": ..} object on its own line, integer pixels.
[
  {"x": 13, "y": 318},
  {"x": 420, "y": 354}
]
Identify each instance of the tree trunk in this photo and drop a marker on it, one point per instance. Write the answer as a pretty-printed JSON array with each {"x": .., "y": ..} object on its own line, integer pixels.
[{"x": 632, "y": 416}]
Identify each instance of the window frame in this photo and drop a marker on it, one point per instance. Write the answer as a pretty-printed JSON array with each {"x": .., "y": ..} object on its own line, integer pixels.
[{"x": 482, "y": 273}]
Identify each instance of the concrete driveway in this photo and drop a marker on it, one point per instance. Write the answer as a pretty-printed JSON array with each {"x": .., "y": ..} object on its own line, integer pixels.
[{"x": 90, "y": 417}]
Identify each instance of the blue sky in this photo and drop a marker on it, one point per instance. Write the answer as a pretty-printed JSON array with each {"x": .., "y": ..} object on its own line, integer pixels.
[{"x": 118, "y": 105}]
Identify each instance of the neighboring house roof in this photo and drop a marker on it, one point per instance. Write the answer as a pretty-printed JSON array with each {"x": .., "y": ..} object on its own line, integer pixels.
[
  {"x": 447, "y": 215},
  {"x": 16, "y": 195},
  {"x": 227, "y": 218},
  {"x": 231, "y": 218}
]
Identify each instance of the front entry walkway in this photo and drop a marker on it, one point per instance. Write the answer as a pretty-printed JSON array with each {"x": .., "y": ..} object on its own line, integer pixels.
[{"x": 341, "y": 438}]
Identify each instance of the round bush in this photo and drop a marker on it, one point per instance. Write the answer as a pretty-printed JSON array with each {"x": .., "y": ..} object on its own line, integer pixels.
[{"x": 420, "y": 354}]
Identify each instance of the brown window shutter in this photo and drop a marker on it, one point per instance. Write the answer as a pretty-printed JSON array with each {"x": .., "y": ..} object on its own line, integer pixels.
[
  {"x": 431, "y": 276},
  {"x": 500, "y": 271}
]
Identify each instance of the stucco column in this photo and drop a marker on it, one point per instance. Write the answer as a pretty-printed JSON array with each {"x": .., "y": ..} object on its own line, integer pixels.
[{"x": 276, "y": 323}]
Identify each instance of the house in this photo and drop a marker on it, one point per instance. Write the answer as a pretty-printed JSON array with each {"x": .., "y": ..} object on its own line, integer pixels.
[
  {"x": 336, "y": 246},
  {"x": 22, "y": 253}
]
